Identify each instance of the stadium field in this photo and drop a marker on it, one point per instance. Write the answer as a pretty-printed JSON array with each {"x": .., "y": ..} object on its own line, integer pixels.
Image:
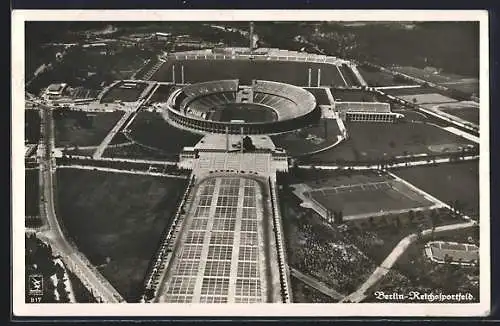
[
  {"x": 151, "y": 130},
  {"x": 372, "y": 195},
  {"x": 309, "y": 139},
  {"x": 320, "y": 95},
  {"x": 377, "y": 141},
  {"x": 248, "y": 112},
  {"x": 78, "y": 128},
  {"x": 289, "y": 72},
  {"x": 461, "y": 253},
  {"x": 32, "y": 193},
  {"x": 31, "y": 126},
  {"x": 116, "y": 220},
  {"x": 120, "y": 93},
  {"x": 449, "y": 182},
  {"x": 354, "y": 95}
]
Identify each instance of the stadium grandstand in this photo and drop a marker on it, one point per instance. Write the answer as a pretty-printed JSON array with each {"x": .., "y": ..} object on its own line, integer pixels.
[{"x": 454, "y": 253}]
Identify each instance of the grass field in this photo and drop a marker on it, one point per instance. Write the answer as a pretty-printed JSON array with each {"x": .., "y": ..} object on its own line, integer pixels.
[
  {"x": 117, "y": 92},
  {"x": 410, "y": 91},
  {"x": 308, "y": 139},
  {"x": 150, "y": 129},
  {"x": 248, "y": 112},
  {"x": 349, "y": 76},
  {"x": 375, "y": 141},
  {"x": 320, "y": 95},
  {"x": 461, "y": 110},
  {"x": 81, "y": 128},
  {"x": 32, "y": 126},
  {"x": 375, "y": 78},
  {"x": 289, "y": 72},
  {"x": 31, "y": 193},
  {"x": 448, "y": 182},
  {"x": 117, "y": 216},
  {"x": 354, "y": 95},
  {"x": 453, "y": 81},
  {"x": 368, "y": 198}
]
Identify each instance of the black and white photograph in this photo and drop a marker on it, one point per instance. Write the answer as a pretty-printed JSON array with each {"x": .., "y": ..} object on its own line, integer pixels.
[{"x": 251, "y": 163}]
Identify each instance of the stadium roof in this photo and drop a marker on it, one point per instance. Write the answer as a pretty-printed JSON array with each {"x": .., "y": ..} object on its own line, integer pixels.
[{"x": 366, "y": 107}]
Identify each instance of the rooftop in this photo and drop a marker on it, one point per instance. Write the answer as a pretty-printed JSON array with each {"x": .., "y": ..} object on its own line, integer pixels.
[{"x": 218, "y": 142}]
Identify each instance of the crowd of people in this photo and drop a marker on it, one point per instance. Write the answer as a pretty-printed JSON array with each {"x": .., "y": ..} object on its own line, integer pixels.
[{"x": 331, "y": 259}]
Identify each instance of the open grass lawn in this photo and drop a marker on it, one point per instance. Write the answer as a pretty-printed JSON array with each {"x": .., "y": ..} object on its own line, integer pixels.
[
  {"x": 375, "y": 141},
  {"x": 308, "y": 139},
  {"x": 32, "y": 126},
  {"x": 376, "y": 78},
  {"x": 320, "y": 95},
  {"x": 410, "y": 91},
  {"x": 448, "y": 182},
  {"x": 469, "y": 114},
  {"x": 124, "y": 94},
  {"x": 150, "y": 129},
  {"x": 83, "y": 129},
  {"x": 289, "y": 72},
  {"x": 32, "y": 193},
  {"x": 117, "y": 216},
  {"x": 354, "y": 95}
]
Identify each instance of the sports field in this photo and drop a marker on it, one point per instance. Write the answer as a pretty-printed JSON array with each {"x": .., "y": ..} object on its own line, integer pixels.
[
  {"x": 376, "y": 141},
  {"x": 78, "y": 128},
  {"x": 309, "y": 139},
  {"x": 32, "y": 126},
  {"x": 117, "y": 220},
  {"x": 151, "y": 130},
  {"x": 461, "y": 253},
  {"x": 122, "y": 93},
  {"x": 248, "y": 112},
  {"x": 449, "y": 182},
  {"x": 289, "y": 72},
  {"x": 362, "y": 194}
]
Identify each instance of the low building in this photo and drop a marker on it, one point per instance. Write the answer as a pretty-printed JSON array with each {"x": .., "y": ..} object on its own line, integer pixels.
[{"x": 366, "y": 112}]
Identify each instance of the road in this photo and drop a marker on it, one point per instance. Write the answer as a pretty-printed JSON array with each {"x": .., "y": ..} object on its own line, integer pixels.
[
  {"x": 393, "y": 257},
  {"x": 314, "y": 283},
  {"x": 100, "y": 168},
  {"x": 102, "y": 146},
  {"x": 54, "y": 234}
]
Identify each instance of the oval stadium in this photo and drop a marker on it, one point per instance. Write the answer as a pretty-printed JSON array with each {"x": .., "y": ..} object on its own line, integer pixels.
[{"x": 263, "y": 107}]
